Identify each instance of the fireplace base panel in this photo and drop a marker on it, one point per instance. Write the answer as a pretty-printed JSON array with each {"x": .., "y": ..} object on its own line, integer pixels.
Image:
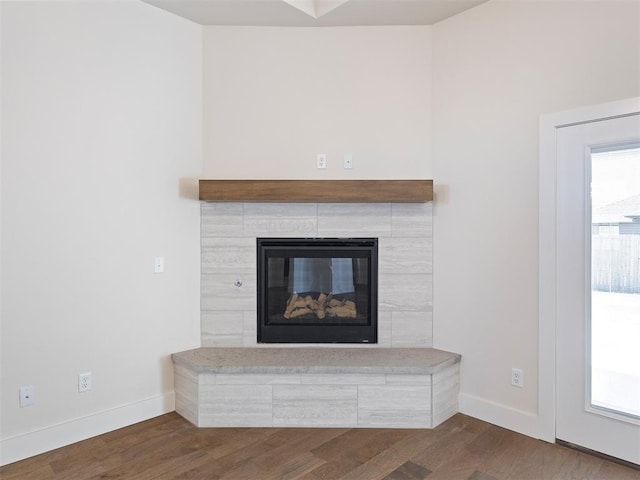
[{"x": 316, "y": 387}]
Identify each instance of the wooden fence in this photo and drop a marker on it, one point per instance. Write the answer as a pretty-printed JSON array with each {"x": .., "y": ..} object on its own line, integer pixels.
[{"x": 615, "y": 263}]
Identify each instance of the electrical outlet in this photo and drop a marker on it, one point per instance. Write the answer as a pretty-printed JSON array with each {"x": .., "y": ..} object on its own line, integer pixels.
[
  {"x": 84, "y": 382},
  {"x": 348, "y": 161},
  {"x": 158, "y": 265},
  {"x": 27, "y": 396},
  {"x": 321, "y": 160},
  {"x": 517, "y": 377}
]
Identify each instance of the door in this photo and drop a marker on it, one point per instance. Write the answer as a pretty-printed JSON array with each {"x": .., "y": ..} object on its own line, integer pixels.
[{"x": 598, "y": 286}]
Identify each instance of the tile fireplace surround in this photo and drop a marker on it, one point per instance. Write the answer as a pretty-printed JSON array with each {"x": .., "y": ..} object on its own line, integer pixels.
[
  {"x": 229, "y": 232},
  {"x": 294, "y": 395}
]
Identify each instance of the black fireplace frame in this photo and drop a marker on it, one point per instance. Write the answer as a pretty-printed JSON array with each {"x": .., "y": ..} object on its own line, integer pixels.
[{"x": 319, "y": 332}]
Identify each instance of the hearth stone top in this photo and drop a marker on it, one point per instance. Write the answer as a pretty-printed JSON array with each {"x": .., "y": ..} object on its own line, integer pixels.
[{"x": 408, "y": 361}]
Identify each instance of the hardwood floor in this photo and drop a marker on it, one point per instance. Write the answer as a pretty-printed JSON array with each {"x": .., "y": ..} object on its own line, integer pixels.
[{"x": 169, "y": 447}]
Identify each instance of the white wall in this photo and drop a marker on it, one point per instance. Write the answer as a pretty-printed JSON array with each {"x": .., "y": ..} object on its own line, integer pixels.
[
  {"x": 275, "y": 97},
  {"x": 496, "y": 68},
  {"x": 101, "y": 116}
]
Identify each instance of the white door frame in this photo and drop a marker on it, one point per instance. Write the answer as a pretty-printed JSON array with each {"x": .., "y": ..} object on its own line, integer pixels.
[{"x": 549, "y": 125}]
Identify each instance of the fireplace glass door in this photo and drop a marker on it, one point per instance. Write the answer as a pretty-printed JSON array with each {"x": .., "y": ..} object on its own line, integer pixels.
[{"x": 317, "y": 290}]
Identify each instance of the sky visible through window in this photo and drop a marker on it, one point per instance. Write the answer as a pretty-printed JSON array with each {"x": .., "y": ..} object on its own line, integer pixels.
[{"x": 615, "y": 176}]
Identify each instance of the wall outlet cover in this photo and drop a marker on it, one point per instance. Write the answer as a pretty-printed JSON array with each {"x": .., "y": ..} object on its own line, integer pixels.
[
  {"x": 27, "y": 396},
  {"x": 84, "y": 382}
]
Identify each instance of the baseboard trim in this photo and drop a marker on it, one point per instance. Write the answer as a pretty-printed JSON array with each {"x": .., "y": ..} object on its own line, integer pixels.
[
  {"x": 526, "y": 423},
  {"x": 33, "y": 443}
]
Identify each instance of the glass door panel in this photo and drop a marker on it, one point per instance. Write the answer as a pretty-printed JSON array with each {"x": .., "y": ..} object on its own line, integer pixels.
[{"x": 615, "y": 281}]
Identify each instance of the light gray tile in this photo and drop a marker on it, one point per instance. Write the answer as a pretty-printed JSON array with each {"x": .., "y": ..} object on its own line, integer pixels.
[
  {"x": 186, "y": 408},
  {"x": 220, "y": 293},
  {"x": 185, "y": 372},
  {"x": 405, "y": 292},
  {"x": 257, "y": 379},
  {"x": 315, "y": 405},
  {"x": 225, "y": 328},
  {"x": 444, "y": 409},
  {"x": 445, "y": 396},
  {"x": 207, "y": 378},
  {"x": 220, "y": 219},
  {"x": 186, "y": 390},
  {"x": 393, "y": 379},
  {"x": 280, "y": 220},
  {"x": 250, "y": 329},
  {"x": 412, "y": 220},
  {"x": 412, "y": 329},
  {"x": 394, "y": 406},
  {"x": 235, "y": 406},
  {"x": 222, "y": 340},
  {"x": 354, "y": 219},
  {"x": 342, "y": 379},
  {"x": 446, "y": 375},
  {"x": 443, "y": 414},
  {"x": 234, "y": 255},
  {"x": 405, "y": 255},
  {"x": 186, "y": 387},
  {"x": 446, "y": 390},
  {"x": 384, "y": 328}
]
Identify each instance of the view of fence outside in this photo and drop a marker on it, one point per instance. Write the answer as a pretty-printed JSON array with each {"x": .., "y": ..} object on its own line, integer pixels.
[{"x": 615, "y": 263}]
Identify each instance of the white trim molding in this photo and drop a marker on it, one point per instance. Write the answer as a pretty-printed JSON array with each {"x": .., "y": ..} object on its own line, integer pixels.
[
  {"x": 526, "y": 423},
  {"x": 549, "y": 125},
  {"x": 33, "y": 443}
]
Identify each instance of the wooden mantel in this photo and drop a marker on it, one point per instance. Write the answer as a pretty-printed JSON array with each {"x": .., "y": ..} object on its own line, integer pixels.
[{"x": 320, "y": 191}]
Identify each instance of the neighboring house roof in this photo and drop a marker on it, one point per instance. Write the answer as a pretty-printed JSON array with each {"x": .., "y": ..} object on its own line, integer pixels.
[{"x": 622, "y": 211}]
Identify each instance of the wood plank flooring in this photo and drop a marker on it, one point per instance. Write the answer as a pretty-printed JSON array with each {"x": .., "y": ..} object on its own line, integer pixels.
[{"x": 169, "y": 447}]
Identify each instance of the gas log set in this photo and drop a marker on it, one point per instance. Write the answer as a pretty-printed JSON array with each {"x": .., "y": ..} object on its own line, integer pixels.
[{"x": 324, "y": 305}]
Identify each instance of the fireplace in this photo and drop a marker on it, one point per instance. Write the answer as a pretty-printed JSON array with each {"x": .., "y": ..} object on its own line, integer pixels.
[{"x": 317, "y": 290}]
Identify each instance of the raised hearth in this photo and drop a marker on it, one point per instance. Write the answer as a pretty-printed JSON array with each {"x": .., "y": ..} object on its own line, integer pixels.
[{"x": 321, "y": 387}]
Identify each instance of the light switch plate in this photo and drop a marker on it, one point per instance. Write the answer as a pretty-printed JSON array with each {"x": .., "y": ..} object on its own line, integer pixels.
[{"x": 158, "y": 266}]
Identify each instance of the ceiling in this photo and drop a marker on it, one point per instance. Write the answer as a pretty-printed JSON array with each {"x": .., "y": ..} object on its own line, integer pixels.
[{"x": 319, "y": 13}]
